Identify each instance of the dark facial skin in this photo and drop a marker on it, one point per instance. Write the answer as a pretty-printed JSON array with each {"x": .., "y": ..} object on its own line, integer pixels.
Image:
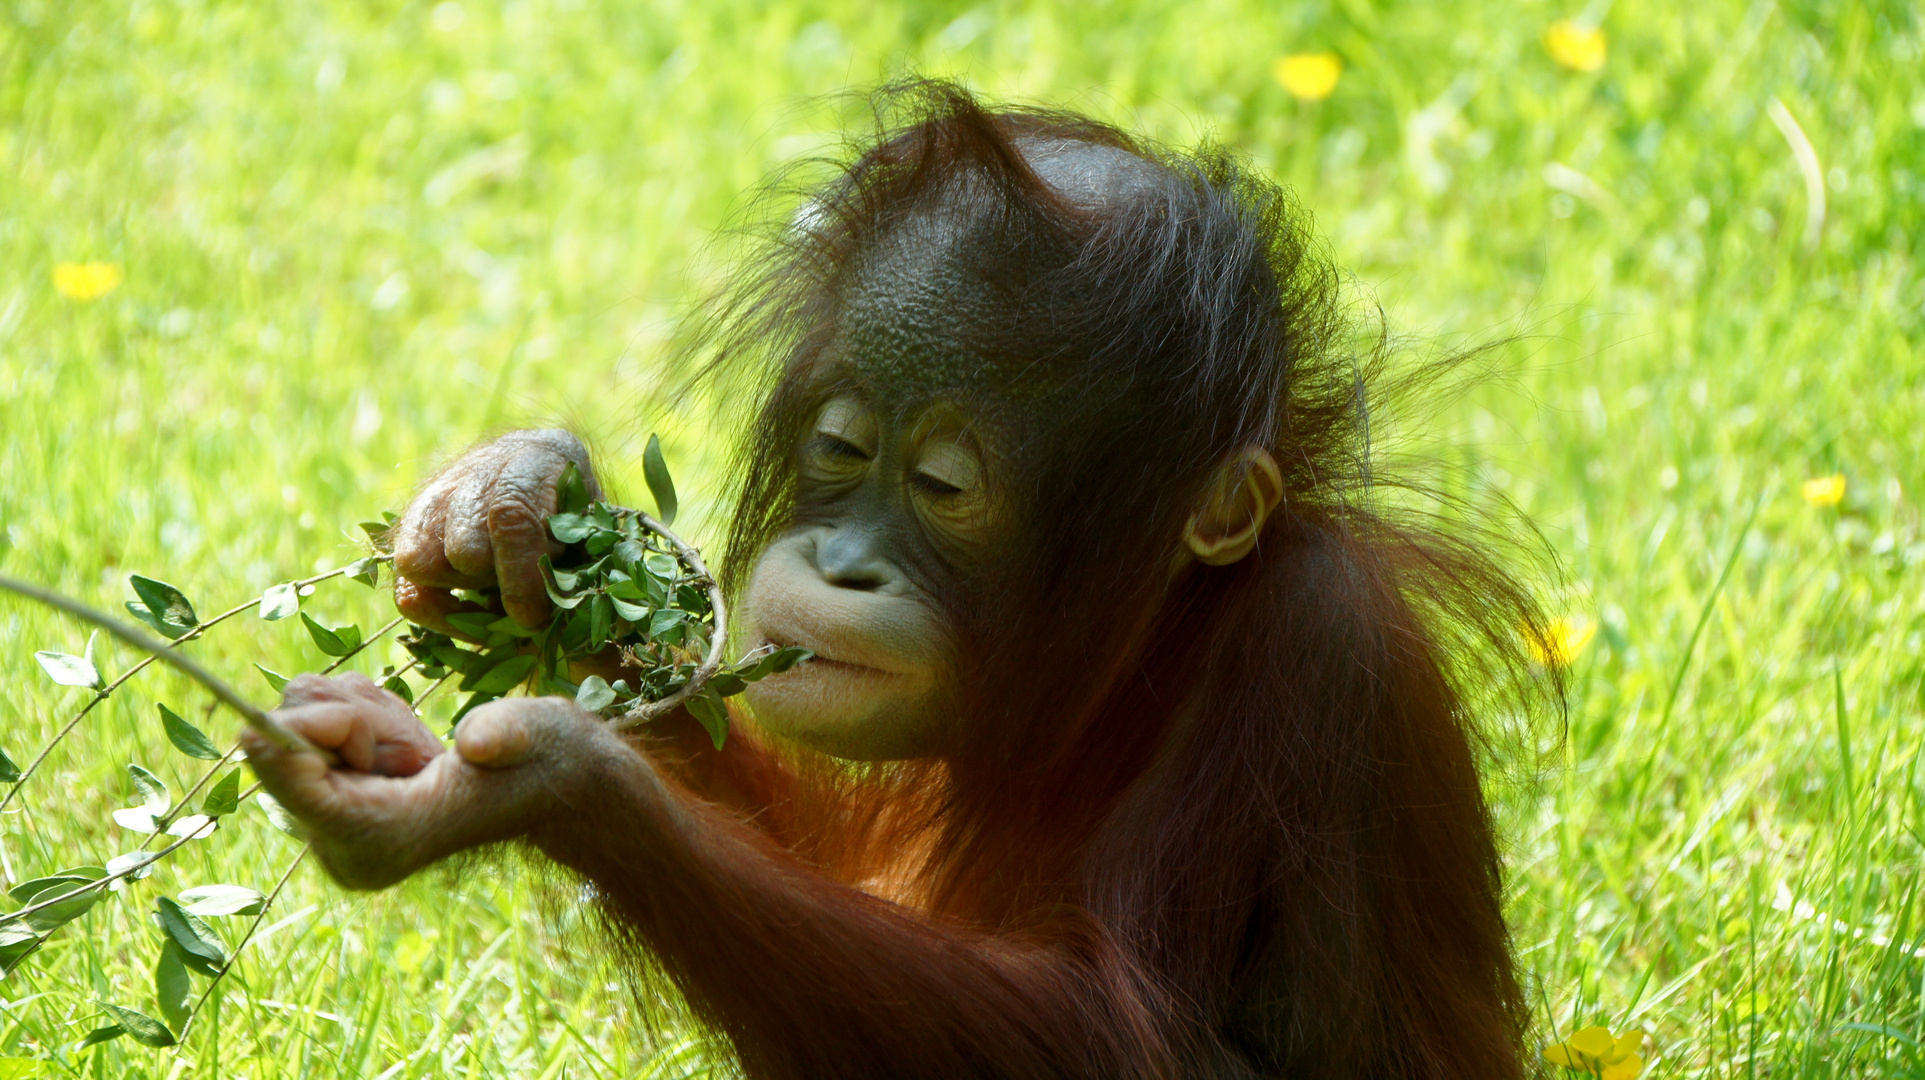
[{"x": 876, "y": 494}]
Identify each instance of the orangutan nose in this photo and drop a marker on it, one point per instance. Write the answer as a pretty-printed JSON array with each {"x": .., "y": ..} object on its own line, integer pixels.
[{"x": 853, "y": 558}]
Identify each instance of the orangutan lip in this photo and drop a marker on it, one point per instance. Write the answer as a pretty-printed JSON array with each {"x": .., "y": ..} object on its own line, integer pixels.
[{"x": 820, "y": 660}]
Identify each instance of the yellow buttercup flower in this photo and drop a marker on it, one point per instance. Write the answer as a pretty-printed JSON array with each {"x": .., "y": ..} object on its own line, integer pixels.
[
  {"x": 1562, "y": 640},
  {"x": 1825, "y": 490},
  {"x": 1578, "y": 47},
  {"x": 1308, "y": 76},
  {"x": 1597, "y": 1052},
  {"x": 86, "y": 281}
]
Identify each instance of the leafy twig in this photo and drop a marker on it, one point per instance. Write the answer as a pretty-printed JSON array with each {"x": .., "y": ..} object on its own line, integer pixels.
[
  {"x": 154, "y": 648},
  {"x": 248, "y": 935},
  {"x": 718, "y": 641},
  {"x": 100, "y": 883},
  {"x": 371, "y": 639}
]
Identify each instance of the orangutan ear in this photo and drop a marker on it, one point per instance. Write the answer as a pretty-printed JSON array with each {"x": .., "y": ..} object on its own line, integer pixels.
[{"x": 1236, "y": 503}]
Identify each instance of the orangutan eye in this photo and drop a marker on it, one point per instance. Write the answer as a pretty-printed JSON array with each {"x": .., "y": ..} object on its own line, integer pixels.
[
  {"x": 851, "y": 424},
  {"x": 844, "y": 440},
  {"x": 947, "y": 468}
]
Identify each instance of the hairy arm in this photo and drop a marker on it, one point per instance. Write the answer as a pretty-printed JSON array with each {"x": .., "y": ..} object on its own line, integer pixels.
[
  {"x": 807, "y": 976},
  {"x": 812, "y": 978}
]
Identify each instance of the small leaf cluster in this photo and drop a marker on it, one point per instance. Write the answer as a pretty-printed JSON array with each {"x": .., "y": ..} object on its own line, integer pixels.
[{"x": 622, "y": 594}]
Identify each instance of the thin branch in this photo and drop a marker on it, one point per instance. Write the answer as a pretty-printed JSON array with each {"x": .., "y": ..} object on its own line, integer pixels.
[
  {"x": 101, "y": 694},
  {"x": 432, "y": 687},
  {"x": 159, "y": 649},
  {"x": 266, "y": 906},
  {"x": 101, "y": 883},
  {"x": 173, "y": 811},
  {"x": 356, "y": 651}
]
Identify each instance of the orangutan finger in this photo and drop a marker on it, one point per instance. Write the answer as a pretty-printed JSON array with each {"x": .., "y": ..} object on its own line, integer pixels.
[{"x": 465, "y": 526}]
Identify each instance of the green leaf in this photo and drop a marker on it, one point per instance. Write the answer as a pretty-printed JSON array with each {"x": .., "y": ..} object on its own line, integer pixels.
[
  {"x": 196, "y": 938},
  {"x": 14, "y": 934},
  {"x": 137, "y": 818},
  {"x": 166, "y": 604},
  {"x": 142, "y": 861},
  {"x": 455, "y": 657},
  {"x": 277, "y": 814},
  {"x": 79, "y": 875},
  {"x": 727, "y": 683},
  {"x": 629, "y": 555},
  {"x": 399, "y": 687},
  {"x": 506, "y": 675},
  {"x": 660, "y": 485},
  {"x": 65, "y": 911},
  {"x": 376, "y": 532},
  {"x": 366, "y": 571},
  {"x": 595, "y": 694},
  {"x": 634, "y": 613},
  {"x": 213, "y": 900},
  {"x": 53, "y": 885},
  {"x": 100, "y": 1035},
  {"x": 9, "y": 772},
  {"x": 473, "y": 623},
  {"x": 709, "y": 711},
  {"x": 601, "y": 616},
  {"x": 570, "y": 528},
  {"x": 773, "y": 662},
  {"x": 665, "y": 622},
  {"x": 187, "y": 738},
  {"x": 571, "y": 490},
  {"x": 558, "y": 595},
  {"x": 193, "y": 827},
  {"x": 274, "y": 678},
  {"x": 142, "y": 1028},
  {"x": 335, "y": 641},
  {"x": 573, "y": 637},
  {"x": 575, "y": 578},
  {"x": 280, "y": 601},
  {"x": 154, "y": 622},
  {"x": 224, "y": 797},
  {"x": 153, "y": 791},
  {"x": 172, "y": 987},
  {"x": 507, "y": 625},
  {"x": 69, "y": 670}
]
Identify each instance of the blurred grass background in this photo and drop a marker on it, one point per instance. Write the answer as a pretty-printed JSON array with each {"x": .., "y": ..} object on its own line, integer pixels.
[{"x": 356, "y": 235}]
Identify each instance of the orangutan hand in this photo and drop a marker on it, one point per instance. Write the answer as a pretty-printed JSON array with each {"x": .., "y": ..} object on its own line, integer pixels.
[
  {"x": 399, "y": 801},
  {"x": 484, "y": 523}
]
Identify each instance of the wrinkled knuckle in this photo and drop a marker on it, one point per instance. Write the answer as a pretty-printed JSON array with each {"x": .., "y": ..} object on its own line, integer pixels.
[
  {"x": 417, "y": 555},
  {"x": 308, "y": 685},
  {"x": 517, "y": 515},
  {"x": 471, "y": 554}
]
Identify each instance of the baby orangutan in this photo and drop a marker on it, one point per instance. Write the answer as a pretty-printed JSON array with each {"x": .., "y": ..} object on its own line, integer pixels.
[{"x": 1133, "y": 744}]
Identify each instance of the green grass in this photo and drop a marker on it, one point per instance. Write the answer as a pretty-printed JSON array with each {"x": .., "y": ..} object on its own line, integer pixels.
[{"x": 360, "y": 235}]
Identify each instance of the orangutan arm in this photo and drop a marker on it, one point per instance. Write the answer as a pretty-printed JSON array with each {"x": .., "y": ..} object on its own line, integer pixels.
[
  {"x": 808, "y": 977},
  {"x": 811, "y": 978}
]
